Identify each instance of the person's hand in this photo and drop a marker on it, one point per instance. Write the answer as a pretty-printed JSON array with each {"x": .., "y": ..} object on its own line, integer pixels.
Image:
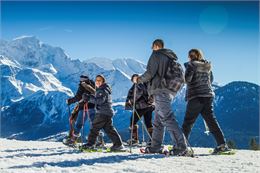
[{"x": 69, "y": 101}]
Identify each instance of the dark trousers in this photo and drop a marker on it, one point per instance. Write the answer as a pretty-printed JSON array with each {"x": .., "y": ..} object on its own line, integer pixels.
[
  {"x": 203, "y": 106},
  {"x": 106, "y": 123},
  {"x": 147, "y": 113}
]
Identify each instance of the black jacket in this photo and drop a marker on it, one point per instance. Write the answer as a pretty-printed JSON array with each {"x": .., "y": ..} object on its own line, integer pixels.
[
  {"x": 84, "y": 88},
  {"x": 156, "y": 69},
  {"x": 199, "y": 77},
  {"x": 103, "y": 100},
  {"x": 142, "y": 99}
]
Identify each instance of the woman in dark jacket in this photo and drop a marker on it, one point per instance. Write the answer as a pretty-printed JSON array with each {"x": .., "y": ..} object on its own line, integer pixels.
[
  {"x": 143, "y": 107},
  {"x": 200, "y": 95},
  {"x": 104, "y": 114}
]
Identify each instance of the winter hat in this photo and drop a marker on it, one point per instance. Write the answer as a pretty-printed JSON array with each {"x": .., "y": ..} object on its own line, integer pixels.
[
  {"x": 100, "y": 75},
  {"x": 83, "y": 78},
  {"x": 134, "y": 75}
]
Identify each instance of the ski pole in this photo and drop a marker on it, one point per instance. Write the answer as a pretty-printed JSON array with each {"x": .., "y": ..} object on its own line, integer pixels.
[
  {"x": 83, "y": 119},
  {"x": 132, "y": 126},
  {"x": 206, "y": 128},
  {"x": 70, "y": 122},
  {"x": 143, "y": 143},
  {"x": 143, "y": 124}
]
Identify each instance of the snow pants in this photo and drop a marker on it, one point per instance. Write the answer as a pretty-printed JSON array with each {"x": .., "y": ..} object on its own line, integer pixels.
[
  {"x": 203, "y": 106},
  {"x": 164, "y": 117},
  {"x": 104, "y": 122}
]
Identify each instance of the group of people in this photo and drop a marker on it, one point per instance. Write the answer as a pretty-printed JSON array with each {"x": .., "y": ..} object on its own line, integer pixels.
[{"x": 151, "y": 92}]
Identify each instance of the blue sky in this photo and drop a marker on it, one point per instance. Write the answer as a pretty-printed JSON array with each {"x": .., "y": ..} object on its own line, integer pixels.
[{"x": 227, "y": 32}]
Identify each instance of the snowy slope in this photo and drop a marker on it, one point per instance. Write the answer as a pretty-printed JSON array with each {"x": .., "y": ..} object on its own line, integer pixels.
[{"x": 35, "y": 156}]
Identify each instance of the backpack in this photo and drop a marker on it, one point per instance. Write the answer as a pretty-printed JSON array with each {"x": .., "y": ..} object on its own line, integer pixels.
[{"x": 173, "y": 78}]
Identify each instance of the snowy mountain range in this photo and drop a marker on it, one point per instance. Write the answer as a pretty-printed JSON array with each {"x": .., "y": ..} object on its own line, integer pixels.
[{"x": 37, "y": 78}]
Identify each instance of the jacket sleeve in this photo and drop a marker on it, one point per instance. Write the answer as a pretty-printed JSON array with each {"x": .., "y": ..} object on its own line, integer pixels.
[
  {"x": 211, "y": 77},
  {"x": 129, "y": 96},
  {"x": 78, "y": 95},
  {"x": 151, "y": 69},
  {"x": 189, "y": 72}
]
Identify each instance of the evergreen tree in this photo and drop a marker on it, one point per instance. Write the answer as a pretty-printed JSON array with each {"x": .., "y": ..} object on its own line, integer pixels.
[
  {"x": 231, "y": 144},
  {"x": 253, "y": 144}
]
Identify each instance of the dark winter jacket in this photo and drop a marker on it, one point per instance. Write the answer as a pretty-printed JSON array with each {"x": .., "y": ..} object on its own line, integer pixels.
[
  {"x": 103, "y": 100},
  {"x": 84, "y": 88},
  {"x": 199, "y": 77},
  {"x": 156, "y": 69},
  {"x": 142, "y": 99}
]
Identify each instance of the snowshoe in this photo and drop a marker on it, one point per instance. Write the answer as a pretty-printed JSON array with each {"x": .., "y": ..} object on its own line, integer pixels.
[
  {"x": 116, "y": 148},
  {"x": 181, "y": 152},
  {"x": 222, "y": 150},
  {"x": 149, "y": 150},
  {"x": 70, "y": 143},
  {"x": 90, "y": 148}
]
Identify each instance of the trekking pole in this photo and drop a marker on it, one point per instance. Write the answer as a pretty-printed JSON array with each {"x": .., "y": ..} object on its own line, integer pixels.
[
  {"x": 189, "y": 145},
  {"x": 143, "y": 143},
  {"x": 206, "y": 128},
  {"x": 70, "y": 123},
  {"x": 85, "y": 108},
  {"x": 132, "y": 124},
  {"x": 143, "y": 124}
]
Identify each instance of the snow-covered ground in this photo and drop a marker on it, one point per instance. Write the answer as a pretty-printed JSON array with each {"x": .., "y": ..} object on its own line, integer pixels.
[{"x": 39, "y": 156}]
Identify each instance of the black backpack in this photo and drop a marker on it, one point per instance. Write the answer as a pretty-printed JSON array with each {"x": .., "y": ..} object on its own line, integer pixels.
[{"x": 174, "y": 76}]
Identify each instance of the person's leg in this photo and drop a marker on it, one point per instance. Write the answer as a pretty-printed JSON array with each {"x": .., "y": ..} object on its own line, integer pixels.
[
  {"x": 137, "y": 113},
  {"x": 158, "y": 132},
  {"x": 112, "y": 132},
  {"x": 208, "y": 115},
  {"x": 193, "y": 110},
  {"x": 98, "y": 123},
  {"x": 80, "y": 122},
  {"x": 91, "y": 115},
  {"x": 148, "y": 120},
  {"x": 72, "y": 120},
  {"x": 168, "y": 119}
]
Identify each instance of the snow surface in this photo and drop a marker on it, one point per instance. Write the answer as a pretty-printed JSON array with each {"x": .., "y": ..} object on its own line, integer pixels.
[{"x": 39, "y": 156}]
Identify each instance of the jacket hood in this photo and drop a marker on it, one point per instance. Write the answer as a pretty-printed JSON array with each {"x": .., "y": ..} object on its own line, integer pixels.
[
  {"x": 169, "y": 53},
  {"x": 202, "y": 66},
  {"x": 106, "y": 87}
]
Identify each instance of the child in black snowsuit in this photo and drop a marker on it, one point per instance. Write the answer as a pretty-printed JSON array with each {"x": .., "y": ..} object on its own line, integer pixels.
[
  {"x": 199, "y": 94},
  {"x": 104, "y": 113}
]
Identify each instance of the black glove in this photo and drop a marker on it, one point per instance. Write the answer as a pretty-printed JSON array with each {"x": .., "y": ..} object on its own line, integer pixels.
[{"x": 69, "y": 101}]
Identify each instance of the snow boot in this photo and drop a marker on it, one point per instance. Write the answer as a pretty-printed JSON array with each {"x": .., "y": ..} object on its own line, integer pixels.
[
  {"x": 100, "y": 140},
  {"x": 150, "y": 150},
  {"x": 134, "y": 138},
  {"x": 221, "y": 149},
  {"x": 118, "y": 148}
]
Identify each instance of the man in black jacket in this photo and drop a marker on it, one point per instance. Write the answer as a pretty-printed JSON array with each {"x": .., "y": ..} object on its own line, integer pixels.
[
  {"x": 199, "y": 94},
  {"x": 164, "y": 117},
  {"x": 143, "y": 107},
  {"x": 85, "y": 110}
]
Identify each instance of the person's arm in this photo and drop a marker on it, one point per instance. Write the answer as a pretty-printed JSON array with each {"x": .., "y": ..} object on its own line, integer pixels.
[
  {"x": 77, "y": 97},
  {"x": 189, "y": 72},
  {"x": 88, "y": 87},
  {"x": 211, "y": 77},
  {"x": 151, "y": 69}
]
